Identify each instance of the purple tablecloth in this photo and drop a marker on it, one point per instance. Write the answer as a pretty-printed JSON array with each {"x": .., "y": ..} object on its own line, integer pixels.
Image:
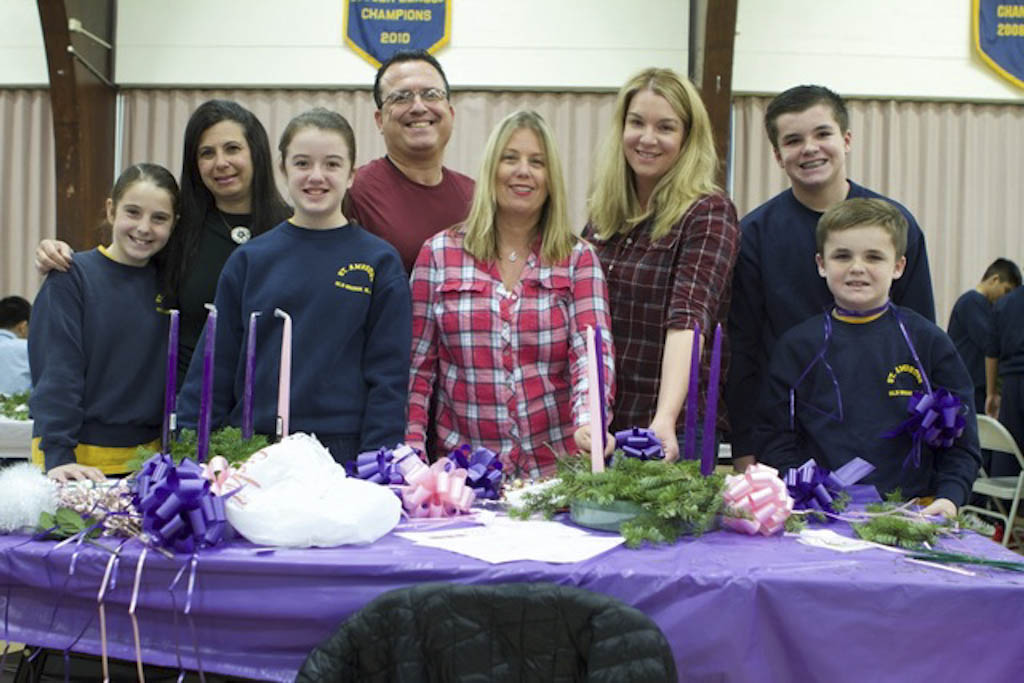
[{"x": 734, "y": 608}]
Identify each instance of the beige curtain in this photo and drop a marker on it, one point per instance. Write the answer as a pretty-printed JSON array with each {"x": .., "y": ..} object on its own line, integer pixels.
[
  {"x": 956, "y": 166},
  {"x": 155, "y": 124},
  {"x": 27, "y": 185}
]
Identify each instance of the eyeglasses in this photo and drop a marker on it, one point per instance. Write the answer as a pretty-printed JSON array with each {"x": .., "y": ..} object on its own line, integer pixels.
[{"x": 401, "y": 98}]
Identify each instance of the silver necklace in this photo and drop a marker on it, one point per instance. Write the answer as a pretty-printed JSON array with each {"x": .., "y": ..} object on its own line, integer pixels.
[
  {"x": 512, "y": 257},
  {"x": 240, "y": 234}
]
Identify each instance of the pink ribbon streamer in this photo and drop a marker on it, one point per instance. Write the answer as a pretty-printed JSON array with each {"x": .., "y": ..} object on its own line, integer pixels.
[
  {"x": 760, "y": 499},
  {"x": 218, "y": 472},
  {"x": 436, "y": 491}
]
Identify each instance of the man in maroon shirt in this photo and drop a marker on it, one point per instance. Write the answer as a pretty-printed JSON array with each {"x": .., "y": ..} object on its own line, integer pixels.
[{"x": 408, "y": 195}]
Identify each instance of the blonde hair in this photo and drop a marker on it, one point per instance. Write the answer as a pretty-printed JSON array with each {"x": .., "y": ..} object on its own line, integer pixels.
[
  {"x": 613, "y": 204},
  {"x": 557, "y": 237}
]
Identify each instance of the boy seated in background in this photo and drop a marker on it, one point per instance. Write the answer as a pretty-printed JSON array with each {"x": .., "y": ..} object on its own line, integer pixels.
[
  {"x": 14, "y": 372},
  {"x": 970, "y": 323},
  {"x": 839, "y": 384}
]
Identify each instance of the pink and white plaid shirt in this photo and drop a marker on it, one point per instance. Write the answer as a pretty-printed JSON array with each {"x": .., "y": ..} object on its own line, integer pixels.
[{"x": 509, "y": 368}]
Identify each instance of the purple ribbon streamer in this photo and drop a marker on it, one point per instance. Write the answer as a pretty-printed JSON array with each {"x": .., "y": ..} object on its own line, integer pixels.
[
  {"x": 815, "y": 488},
  {"x": 483, "y": 469},
  {"x": 177, "y": 506},
  {"x": 639, "y": 443}
]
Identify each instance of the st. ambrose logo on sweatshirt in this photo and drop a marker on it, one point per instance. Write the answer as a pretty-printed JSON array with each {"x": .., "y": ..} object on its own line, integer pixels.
[{"x": 356, "y": 277}]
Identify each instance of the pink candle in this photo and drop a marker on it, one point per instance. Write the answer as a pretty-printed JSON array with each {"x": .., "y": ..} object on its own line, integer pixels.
[
  {"x": 170, "y": 388},
  {"x": 690, "y": 443},
  {"x": 707, "y": 459},
  {"x": 599, "y": 349},
  {"x": 595, "y": 401},
  {"x": 284, "y": 384},
  {"x": 250, "y": 367},
  {"x": 206, "y": 399}
]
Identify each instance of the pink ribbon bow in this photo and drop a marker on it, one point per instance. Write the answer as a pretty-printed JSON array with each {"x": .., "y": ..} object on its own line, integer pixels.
[
  {"x": 436, "y": 491},
  {"x": 217, "y": 471},
  {"x": 760, "y": 497}
]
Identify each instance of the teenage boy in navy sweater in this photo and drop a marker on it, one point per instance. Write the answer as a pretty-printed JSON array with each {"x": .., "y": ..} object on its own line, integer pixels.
[
  {"x": 775, "y": 285},
  {"x": 839, "y": 384}
]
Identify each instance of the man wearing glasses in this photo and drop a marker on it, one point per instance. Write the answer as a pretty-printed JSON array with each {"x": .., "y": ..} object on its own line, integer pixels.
[{"x": 408, "y": 195}]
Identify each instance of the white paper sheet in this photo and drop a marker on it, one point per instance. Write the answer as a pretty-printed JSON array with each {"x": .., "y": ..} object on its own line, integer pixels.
[{"x": 507, "y": 540}]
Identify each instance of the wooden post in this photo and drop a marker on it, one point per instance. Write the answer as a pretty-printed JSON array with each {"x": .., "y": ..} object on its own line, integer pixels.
[
  {"x": 83, "y": 102},
  {"x": 712, "y": 39}
]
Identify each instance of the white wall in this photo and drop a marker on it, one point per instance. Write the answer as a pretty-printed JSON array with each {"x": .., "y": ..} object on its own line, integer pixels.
[
  {"x": 22, "y": 55},
  {"x": 867, "y": 48},
  {"x": 494, "y": 43}
]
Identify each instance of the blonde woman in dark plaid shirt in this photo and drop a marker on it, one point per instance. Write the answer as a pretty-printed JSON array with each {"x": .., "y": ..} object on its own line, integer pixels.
[
  {"x": 668, "y": 239},
  {"x": 500, "y": 308}
]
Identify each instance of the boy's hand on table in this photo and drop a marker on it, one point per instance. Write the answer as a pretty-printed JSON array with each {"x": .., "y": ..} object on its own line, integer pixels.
[
  {"x": 941, "y": 506},
  {"x": 75, "y": 472}
]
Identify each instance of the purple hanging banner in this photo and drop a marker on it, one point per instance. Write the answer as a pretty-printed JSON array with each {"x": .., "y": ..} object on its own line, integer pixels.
[{"x": 376, "y": 29}]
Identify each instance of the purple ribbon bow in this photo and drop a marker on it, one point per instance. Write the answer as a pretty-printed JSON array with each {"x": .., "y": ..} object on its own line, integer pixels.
[
  {"x": 177, "y": 506},
  {"x": 936, "y": 420},
  {"x": 639, "y": 443},
  {"x": 483, "y": 470},
  {"x": 379, "y": 466},
  {"x": 815, "y": 488}
]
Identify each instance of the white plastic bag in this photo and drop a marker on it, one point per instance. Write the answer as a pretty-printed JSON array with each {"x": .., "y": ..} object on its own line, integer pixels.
[{"x": 296, "y": 495}]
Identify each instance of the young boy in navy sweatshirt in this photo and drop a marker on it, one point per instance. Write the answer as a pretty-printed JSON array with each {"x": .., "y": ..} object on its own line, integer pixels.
[{"x": 840, "y": 384}]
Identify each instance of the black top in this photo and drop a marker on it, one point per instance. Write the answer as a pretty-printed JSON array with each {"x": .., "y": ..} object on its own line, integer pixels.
[{"x": 199, "y": 285}]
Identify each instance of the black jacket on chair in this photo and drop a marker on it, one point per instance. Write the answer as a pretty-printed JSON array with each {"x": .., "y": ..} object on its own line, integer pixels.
[{"x": 493, "y": 633}]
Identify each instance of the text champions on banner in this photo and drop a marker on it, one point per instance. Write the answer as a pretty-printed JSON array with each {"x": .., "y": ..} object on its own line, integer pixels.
[
  {"x": 376, "y": 29},
  {"x": 999, "y": 37}
]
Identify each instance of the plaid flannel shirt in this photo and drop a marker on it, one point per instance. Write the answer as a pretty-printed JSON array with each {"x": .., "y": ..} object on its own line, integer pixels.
[
  {"x": 677, "y": 281},
  {"x": 509, "y": 368}
]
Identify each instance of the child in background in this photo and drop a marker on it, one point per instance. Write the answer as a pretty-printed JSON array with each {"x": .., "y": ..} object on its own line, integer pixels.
[
  {"x": 14, "y": 372},
  {"x": 970, "y": 323},
  {"x": 347, "y": 294},
  {"x": 838, "y": 385},
  {"x": 1004, "y": 361},
  {"x": 98, "y": 339}
]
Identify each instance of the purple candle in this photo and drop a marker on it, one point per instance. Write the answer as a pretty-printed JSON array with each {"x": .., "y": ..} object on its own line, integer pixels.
[
  {"x": 599, "y": 351},
  {"x": 690, "y": 436},
  {"x": 171, "y": 385},
  {"x": 707, "y": 458},
  {"x": 250, "y": 367},
  {"x": 206, "y": 399}
]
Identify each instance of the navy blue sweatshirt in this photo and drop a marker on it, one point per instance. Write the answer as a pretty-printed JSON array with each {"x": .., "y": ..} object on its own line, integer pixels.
[
  {"x": 970, "y": 324},
  {"x": 97, "y": 347},
  {"x": 776, "y": 285},
  {"x": 876, "y": 374},
  {"x": 348, "y": 297},
  {"x": 1006, "y": 339}
]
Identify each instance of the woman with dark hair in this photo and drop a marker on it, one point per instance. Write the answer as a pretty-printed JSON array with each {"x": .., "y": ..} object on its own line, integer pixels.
[{"x": 228, "y": 195}]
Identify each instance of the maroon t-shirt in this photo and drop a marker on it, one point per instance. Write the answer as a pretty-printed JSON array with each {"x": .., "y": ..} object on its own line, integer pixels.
[{"x": 403, "y": 212}]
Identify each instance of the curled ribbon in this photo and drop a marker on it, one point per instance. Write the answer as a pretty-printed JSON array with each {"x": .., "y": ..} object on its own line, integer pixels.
[
  {"x": 178, "y": 507},
  {"x": 639, "y": 443},
  {"x": 218, "y": 472},
  {"x": 436, "y": 491},
  {"x": 936, "y": 420},
  {"x": 760, "y": 500},
  {"x": 380, "y": 466},
  {"x": 815, "y": 488},
  {"x": 483, "y": 470}
]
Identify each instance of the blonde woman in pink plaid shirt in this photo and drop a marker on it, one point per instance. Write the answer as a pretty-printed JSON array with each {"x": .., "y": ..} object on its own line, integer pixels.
[{"x": 501, "y": 304}]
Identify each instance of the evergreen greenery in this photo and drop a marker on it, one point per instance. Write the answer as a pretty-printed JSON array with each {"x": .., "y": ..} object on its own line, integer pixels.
[
  {"x": 66, "y": 523},
  {"x": 675, "y": 497},
  {"x": 226, "y": 442}
]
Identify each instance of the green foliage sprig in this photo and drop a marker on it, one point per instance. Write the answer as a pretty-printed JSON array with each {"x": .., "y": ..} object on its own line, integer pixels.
[
  {"x": 66, "y": 523},
  {"x": 675, "y": 497},
  {"x": 898, "y": 531},
  {"x": 226, "y": 442},
  {"x": 15, "y": 406}
]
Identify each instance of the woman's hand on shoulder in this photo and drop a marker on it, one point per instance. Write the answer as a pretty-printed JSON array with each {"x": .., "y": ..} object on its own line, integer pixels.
[
  {"x": 53, "y": 255},
  {"x": 75, "y": 472}
]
